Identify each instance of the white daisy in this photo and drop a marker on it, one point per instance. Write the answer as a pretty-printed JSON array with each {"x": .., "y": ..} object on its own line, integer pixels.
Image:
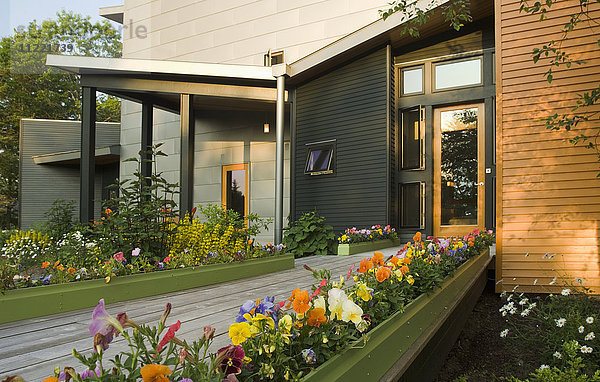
[
  {"x": 589, "y": 320},
  {"x": 542, "y": 367},
  {"x": 581, "y": 329},
  {"x": 566, "y": 292},
  {"x": 561, "y": 322},
  {"x": 590, "y": 336},
  {"x": 504, "y": 333},
  {"x": 557, "y": 355}
]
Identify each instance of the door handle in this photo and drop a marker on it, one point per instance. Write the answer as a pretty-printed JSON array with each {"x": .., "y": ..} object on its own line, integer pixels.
[{"x": 480, "y": 184}]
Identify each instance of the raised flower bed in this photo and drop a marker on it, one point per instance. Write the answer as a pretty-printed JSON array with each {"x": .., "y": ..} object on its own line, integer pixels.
[
  {"x": 369, "y": 246},
  {"x": 355, "y": 240},
  {"x": 411, "y": 345},
  {"x": 26, "y": 303}
]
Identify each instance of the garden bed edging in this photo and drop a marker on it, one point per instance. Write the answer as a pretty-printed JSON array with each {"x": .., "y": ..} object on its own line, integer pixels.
[
  {"x": 20, "y": 304},
  {"x": 366, "y": 246},
  {"x": 412, "y": 344}
]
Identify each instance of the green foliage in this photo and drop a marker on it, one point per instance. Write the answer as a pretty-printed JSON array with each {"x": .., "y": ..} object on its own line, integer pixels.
[
  {"x": 310, "y": 235},
  {"x": 456, "y": 13},
  {"x": 248, "y": 226},
  {"x": 138, "y": 215},
  {"x": 29, "y": 89},
  {"x": 59, "y": 218},
  {"x": 574, "y": 369}
]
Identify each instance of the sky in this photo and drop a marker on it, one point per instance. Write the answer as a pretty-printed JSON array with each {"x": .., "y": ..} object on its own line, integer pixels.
[{"x": 14, "y": 13}]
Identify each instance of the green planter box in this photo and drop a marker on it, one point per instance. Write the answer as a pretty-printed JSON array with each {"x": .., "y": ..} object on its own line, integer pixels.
[
  {"x": 412, "y": 345},
  {"x": 39, "y": 301},
  {"x": 368, "y": 246}
]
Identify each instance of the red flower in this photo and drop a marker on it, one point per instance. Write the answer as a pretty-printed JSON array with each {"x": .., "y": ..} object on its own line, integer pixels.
[
  {"x": 169, "y": 336},
  {"x": 119, "y": 256},
  {"x": 231, "y": 359}
]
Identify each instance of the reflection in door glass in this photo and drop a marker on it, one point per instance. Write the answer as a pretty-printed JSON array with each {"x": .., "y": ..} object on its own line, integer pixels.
[
  {"x": 459, "y": 167},
  {"x": 236, "y": 191}
]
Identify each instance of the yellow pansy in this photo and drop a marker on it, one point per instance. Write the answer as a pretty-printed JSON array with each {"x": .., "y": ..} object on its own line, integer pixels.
[{"x": 239, "y": 332}]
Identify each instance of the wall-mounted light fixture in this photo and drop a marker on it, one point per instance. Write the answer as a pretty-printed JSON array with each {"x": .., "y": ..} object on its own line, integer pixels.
[{"x": 266, "y": 128}]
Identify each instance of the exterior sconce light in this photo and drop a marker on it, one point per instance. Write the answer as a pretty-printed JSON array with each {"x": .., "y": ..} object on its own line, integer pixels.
[{"x": 266, "y": 128}]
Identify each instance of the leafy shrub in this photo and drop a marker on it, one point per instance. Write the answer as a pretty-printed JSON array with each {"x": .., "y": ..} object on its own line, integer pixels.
[
  {"x": 74, "y": 248},
  {"x": 59, "y": 219},
  {"x": 310, "y": 235},
  {"x": 138, "y": 215},
  {"x": 222, "y": 236},
  {"x": 26, "y": 249}
]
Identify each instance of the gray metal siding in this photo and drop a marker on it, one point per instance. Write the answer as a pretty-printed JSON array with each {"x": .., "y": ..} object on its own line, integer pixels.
[
  {"x": 40, "y": 185},
  {"x": 349, "y": 105}
]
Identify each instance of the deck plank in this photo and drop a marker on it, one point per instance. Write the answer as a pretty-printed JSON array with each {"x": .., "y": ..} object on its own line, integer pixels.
[{"x": 33, "y": 348}]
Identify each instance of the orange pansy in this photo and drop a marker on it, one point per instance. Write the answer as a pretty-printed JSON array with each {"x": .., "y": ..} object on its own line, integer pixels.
[
  {"x": 50, "y": 379},
  {"x": 301, "y": 302},
  {"x": 404, "y": 269},
  {"x": 394, "y": 260},
  {"x": 316, "y": 317},
  {"x": 45, "y": 264},
  {"x": 383, "y": 273},
  {"x": 71, "y": 270},
  {"x": 406, "y": 260},
  {"x": 155, "y": 373},
  {"x": 377, "y": 259},
  {"x": 365, "y": 265},
  {"x": 417, "y": 237}
]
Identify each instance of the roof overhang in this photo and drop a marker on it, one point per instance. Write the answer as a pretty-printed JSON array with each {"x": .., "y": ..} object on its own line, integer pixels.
[
  {"x": 114, "y": 13},
  {"x": 376, "y": 35},
  {"x": 214, "y": 86},
  {"x": 104, "y": 155}
]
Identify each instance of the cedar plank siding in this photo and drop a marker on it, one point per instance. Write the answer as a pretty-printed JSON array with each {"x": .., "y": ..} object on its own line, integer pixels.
[
  {"x": 548, "y": 193},
  {"x": 349, "y": 104}
]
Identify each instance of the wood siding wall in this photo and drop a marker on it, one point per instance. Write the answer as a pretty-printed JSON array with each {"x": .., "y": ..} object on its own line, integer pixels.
[
  {"x": 548, "y": 198},
  {"x": 350, "y": 105}
]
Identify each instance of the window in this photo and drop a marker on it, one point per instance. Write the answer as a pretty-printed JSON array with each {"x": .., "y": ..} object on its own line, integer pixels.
[
  {"x": 455, "y": 74},
  {"x": 320, "y": 158},
  {"x": 234, "y": 193},
  {"x": 412, "y": 205},
  {"x": 412, "y": 81},
  {"x": 413, "y": 142}
]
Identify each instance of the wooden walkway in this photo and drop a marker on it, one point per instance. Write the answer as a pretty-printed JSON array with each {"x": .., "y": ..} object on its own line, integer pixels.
[{"x": 33, "y": 348}]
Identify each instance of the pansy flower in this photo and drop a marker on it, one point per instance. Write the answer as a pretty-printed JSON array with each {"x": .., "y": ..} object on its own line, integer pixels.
[
  {"x": 155, "y": 373},
  {"x": 365, "y": 265}
]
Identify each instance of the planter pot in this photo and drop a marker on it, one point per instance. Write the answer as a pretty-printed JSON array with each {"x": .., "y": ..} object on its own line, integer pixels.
[
  {"x": 39, "y": 301},
  {"x": 368, "y": 246},
  {"x": 412, "y": 345}
]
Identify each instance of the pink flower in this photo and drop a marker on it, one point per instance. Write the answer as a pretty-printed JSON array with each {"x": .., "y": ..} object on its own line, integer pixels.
[
  {"x": 104, "y": 324},
  {"x": 169, "y": 336},
  {"x": 167, "y": 259},
  {"x": 136, "y": 252},
  {"x": 350, "y": 272},
  {"x": 230, "y": 359},
  {"x": 119, "y": 256}
]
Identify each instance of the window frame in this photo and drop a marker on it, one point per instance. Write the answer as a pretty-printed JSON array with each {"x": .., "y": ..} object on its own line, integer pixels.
[
  {"x": 412, "y": 67},
  {"x": 422, "y": 195},
  {"x": 235, "y": 167},
  {"x": 331, "y": 144},
  {"x": 421, "y": 167},
  {"x": 478, "y": 57}
]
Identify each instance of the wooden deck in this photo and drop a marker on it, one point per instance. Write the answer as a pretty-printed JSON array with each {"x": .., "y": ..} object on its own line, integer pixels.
[{"x": 33, "y": 348}]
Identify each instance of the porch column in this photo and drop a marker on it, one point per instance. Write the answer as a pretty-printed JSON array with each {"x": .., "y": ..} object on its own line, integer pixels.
[
  {"x": 186, "y": 174},
  {"x": 279, "y": 159},
  {"x": 146, "y": 146},
  {"x": 87, "y": 172}
]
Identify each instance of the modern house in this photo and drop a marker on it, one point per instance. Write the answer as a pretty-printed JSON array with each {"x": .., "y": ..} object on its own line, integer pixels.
[{"x": 322, "y": 105}]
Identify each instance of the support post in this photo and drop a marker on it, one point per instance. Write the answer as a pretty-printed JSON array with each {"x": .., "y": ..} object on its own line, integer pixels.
[
  {"x": 279, "y": 159},
  {"x": 186, "y": 174},
  {"x": 146, "y": 146},
  {"x": 88, "y": 151}
]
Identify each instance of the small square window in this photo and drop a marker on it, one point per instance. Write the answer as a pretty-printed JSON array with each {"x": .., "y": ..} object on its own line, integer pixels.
[
  {"x": 412, "y": 81},
  {"x": 320, "y": 159}
]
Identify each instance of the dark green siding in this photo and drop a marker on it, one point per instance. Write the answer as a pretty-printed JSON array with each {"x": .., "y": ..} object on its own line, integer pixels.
[{"x": 350, "y": 105}]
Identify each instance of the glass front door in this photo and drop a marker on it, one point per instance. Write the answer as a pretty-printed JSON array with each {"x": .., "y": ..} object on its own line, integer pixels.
[{"x": 459, "y": 170}]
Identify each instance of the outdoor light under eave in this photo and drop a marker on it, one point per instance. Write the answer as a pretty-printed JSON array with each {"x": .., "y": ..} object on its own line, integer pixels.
[{"x": 266, "y": 128}]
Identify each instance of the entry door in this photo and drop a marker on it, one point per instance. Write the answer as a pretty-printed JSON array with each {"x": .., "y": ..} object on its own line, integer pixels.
[{"x": 459, "y": 170}]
